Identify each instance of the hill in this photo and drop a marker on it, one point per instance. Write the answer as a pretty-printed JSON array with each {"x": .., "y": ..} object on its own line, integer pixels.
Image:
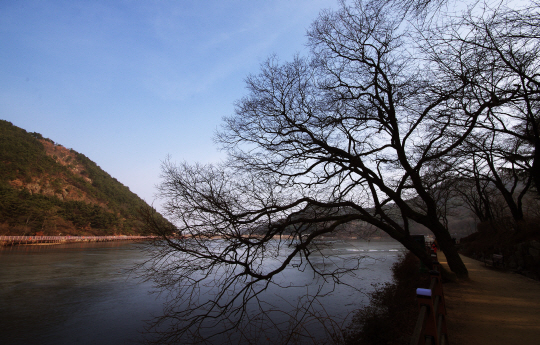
[{"x": 47, "y": 189}]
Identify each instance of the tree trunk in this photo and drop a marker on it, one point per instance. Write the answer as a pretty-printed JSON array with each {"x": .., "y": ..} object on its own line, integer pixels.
[
  {"x": 418, "y": 250},
  {"x": 517, "y": 212},
  {"x": 452, "y": 256},
  {"x": 445, "y": 243},
  {"x": 535, "y": 169}
]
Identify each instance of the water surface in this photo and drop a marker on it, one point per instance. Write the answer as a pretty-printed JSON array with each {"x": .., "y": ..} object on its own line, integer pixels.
[{"x": 83, "y": 293}]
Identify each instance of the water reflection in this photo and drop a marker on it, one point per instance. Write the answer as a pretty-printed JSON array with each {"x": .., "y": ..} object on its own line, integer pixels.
[{"x": 82, "y": 293}]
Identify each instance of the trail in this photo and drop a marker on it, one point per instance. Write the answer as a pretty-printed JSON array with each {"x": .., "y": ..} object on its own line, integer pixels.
[{"x": 493, "y": 307}]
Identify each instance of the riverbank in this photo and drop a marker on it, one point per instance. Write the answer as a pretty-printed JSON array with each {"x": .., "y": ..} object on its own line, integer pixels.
[{"x": 393, "y": 310}]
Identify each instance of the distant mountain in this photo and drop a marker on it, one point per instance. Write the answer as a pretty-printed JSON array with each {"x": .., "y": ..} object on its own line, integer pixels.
[{"x": 48, "y": 189}]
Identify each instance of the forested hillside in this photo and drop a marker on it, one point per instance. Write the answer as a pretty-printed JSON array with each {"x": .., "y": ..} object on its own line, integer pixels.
[{"x": 50, "y": 190}]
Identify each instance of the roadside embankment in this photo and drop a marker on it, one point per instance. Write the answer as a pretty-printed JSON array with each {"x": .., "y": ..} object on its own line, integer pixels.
[
  {"x": 492, "y": 307},
  {"x": 393, "y": 310}
]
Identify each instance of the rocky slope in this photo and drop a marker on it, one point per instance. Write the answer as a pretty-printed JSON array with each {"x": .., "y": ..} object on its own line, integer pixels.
[{"x": 48, "y": 189}]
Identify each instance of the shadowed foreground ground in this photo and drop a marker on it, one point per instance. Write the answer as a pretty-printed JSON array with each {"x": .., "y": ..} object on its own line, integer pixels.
[{"x": 493, "y": 307}]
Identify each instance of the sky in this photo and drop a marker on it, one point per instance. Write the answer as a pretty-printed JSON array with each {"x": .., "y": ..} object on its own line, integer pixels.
[{"x": 128, "y": 83}]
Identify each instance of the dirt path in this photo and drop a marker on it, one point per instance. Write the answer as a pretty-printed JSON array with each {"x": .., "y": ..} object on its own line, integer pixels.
[{"x": 493, "y": 307}]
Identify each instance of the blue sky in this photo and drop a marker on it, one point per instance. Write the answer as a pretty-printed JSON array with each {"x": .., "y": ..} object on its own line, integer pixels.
[{"x": 129, "y": 82}]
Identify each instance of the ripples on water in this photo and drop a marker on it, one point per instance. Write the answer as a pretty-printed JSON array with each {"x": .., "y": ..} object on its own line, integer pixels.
[{"x": 82, "y": 293}]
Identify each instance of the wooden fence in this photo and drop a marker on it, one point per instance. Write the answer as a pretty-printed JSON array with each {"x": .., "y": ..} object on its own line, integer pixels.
[
  {"x": 16, "y": 240},
  {"x": 430, "y": 326}
]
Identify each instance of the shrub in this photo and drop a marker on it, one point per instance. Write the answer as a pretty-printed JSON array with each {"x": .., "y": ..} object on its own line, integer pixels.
[{"x": 391, "y": 315}]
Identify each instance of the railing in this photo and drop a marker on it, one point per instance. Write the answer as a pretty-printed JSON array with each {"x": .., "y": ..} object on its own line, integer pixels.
[
  {"x": 10, "y": 240},
  {"x": 430, "y": 327}
]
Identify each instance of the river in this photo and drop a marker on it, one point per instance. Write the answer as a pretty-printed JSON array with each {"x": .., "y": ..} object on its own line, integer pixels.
[{"x": 83, "y": 293}]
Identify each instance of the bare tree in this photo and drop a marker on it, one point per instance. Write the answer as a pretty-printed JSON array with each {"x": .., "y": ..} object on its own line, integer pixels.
[
  {"x": 495, "y": 52},
  {"x": 238, "y": 233},
  {"x": 359, "y": 131},
  {"x": 493, "y": 163},
  {"x": 358, "y": 125}
]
